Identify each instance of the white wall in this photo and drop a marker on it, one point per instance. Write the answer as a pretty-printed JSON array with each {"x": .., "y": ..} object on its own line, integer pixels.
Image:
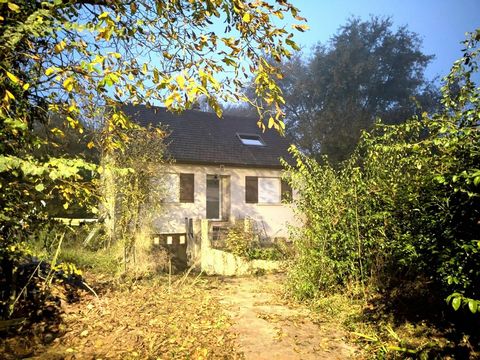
[{"x": 271, "y": 217}]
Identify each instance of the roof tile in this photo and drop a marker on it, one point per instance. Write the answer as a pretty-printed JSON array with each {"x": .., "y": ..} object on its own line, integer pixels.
[{"x": 201, "y": 137}]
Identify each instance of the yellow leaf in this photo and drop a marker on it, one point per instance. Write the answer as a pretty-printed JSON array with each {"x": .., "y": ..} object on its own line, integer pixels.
[
  {"x": 72, "y": 121},
  {"x": 60, "y": 46},
  {"x": 168, "y": 101},
  {"x": 13, "y": 7},
  {"x": 301, "y": 27},
  {"x": 49, "y": 71},
  {"x": 90, "y": 145},
  {"x": 278, "y": 14},
  {"x": 13, "y": 77},
  {"x": 68, "y": 84},
  {"x": 247, "y": 17},
  {"x": 57, "y": 132},
  {"x": 9, "y": 95},
  {"x": 180, "y": 81},
  {"x": 104, "y": 15},
  {"x": 192, "y": 92},
  {"x": 25, "y": 86},
  {"x": 271, "y": 122}
]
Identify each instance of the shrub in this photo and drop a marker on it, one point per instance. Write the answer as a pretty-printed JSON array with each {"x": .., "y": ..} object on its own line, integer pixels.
[
  {"x": 405, "y": 205},
  {"x": 243, "y": 241}
]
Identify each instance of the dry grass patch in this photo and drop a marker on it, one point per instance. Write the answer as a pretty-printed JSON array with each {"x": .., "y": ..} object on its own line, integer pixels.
[{"x": 145, "y": 320}]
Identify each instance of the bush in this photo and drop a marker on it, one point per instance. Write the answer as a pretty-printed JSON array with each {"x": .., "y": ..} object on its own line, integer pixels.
[
  {"x": 243, "y": 241},
  {"x": 405, "y": 205}
]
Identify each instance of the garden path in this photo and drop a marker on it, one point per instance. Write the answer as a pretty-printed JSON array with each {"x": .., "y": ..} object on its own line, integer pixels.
[{"x": 269, "y": 327}]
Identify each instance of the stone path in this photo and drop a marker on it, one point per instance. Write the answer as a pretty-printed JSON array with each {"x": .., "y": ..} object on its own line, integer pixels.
[{"x": 269, "y": 328}]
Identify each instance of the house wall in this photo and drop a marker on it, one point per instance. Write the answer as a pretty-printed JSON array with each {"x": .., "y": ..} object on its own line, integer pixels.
[{"x": 271, "y": 219}]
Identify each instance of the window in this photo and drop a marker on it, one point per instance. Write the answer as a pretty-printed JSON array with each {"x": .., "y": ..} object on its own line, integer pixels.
[
  {"x": 187, "y": 188},
  {"x": 264, "y": 190},
  {"x": 287, "y": 195},
  {"x": 251, "y": 189},
  {"x": 179, "y": 188},
  {"x": 251, "y": 139},
  {"x": 214, "y": 195}
]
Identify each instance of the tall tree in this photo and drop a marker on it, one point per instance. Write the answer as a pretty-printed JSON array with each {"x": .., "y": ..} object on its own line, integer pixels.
[{"x": 367, "y": 71}]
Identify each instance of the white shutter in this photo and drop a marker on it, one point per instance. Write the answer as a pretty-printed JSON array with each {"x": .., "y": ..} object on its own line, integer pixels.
[
  {"x": 269, "y": 190},
  {"x": 172, "y": 188}
]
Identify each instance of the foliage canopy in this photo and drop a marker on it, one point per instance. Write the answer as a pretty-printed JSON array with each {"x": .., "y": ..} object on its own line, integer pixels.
[{"x": 367, "y": 71}]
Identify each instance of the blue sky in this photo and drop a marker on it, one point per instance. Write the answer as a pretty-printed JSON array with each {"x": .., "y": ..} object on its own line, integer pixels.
[{"x": 441, "y": 24}]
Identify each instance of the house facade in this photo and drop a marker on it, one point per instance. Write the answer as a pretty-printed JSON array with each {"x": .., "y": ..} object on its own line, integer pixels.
[{"x": 224, "y": 170}]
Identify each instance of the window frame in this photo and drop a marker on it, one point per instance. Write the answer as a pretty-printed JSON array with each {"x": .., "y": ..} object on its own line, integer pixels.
[
  {"x": 178, "y": 196},
  {"x": 286, "y": 192},
  {"x": 252, "y": 196},
  {"x": 254, "y": 137},
  {"x": 184, "y": 198}
]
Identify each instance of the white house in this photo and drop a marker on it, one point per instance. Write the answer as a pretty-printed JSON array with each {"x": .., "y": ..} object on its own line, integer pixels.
[{"x": 224, "y": 169}]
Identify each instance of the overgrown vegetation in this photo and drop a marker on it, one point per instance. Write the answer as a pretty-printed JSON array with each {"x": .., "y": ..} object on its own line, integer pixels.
[
  {"x": 244, "y": 241},
  {"x": 82, "y": 245},
  {"x": 132, "y": 190},
  {"x": 70, "y": 63},
  {"x": 404, "y": 210}
]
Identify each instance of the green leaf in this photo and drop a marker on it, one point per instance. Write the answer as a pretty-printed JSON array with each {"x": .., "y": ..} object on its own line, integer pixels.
[
  {"x": 456, "y": 302},
  {"x": 39, "y": 187},
  {"x": 476, "y": 180},
  {"x": 472, "y": 305}
]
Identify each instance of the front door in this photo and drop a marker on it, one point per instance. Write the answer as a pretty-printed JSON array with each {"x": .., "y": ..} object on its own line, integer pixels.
[{"x": 214, "y": 197}]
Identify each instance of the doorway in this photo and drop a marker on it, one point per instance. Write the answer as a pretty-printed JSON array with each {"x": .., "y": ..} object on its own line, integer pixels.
[{"x": 214, "y": 196}]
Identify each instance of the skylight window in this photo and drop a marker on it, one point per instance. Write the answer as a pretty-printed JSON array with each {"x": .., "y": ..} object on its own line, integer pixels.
[{"x": 251, "y": 139}]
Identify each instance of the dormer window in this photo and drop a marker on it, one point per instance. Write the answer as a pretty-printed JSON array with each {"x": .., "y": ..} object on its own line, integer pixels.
[{"x": 251, "y": 139}]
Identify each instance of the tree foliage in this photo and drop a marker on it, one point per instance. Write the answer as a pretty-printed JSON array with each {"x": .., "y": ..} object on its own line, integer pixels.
[
  {"x": 78, "y": 59},
  {"x": 405, "y": 206},
  {"x": 368, "y": 70}
]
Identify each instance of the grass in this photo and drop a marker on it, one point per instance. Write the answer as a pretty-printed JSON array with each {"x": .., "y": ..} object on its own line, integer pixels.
[
  {"x": 102, "y": 261},
  {"x": 93, "y": 257}
]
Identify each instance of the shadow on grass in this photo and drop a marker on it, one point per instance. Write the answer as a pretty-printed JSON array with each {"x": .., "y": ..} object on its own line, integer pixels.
[{"x": 447, "y": 333}]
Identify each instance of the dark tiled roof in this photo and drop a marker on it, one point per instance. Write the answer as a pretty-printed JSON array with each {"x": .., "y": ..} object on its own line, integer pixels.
[{"x": 202, "y": 138}]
